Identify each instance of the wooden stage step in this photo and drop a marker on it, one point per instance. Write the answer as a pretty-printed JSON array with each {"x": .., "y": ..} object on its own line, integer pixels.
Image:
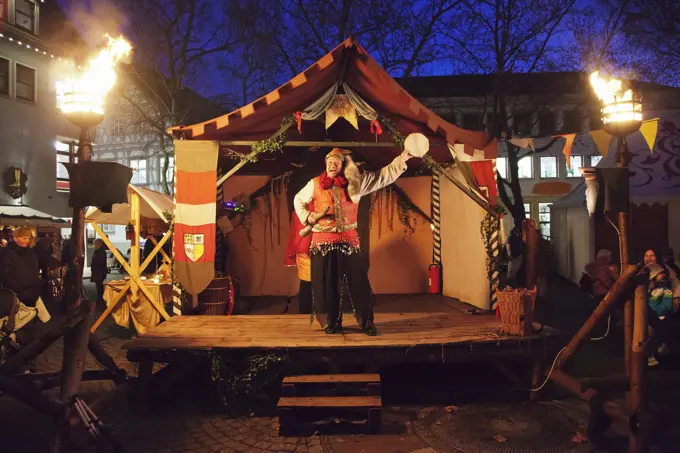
[
  {"x": 356, "y": 402},
  {"x": 295, "y": 410},
  {"x": 332, "y": 379}
]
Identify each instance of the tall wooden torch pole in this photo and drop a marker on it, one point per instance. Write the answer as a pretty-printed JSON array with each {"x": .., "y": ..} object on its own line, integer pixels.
[
  {"x": 624, "y": 251},
  {"x": 75, "y": 340}
]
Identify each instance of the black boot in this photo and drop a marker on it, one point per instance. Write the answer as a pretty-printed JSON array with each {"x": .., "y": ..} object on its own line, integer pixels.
[
  {"x": 333, "y": 329},
  {"x": 371, "y": 330}
]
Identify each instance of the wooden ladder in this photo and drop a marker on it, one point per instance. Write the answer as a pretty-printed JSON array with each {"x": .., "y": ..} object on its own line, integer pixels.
[{"x": 306, "y": 399}]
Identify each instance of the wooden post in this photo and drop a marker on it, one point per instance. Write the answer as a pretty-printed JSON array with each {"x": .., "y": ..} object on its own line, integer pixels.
[
  {"x": 624, "y": 252},
  {"x": 600, "y": 311},
  {"x": 134, "y": 247},
  {"x": 638, "y": 375},
  {"x": 76, "y": 339},
  {"x": 530, "y": 251}
]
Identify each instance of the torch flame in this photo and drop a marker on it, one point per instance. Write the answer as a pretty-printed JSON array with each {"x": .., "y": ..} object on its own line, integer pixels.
[
  {"x": 86, "y": 92},
  {"x": 618, "y": 105}
]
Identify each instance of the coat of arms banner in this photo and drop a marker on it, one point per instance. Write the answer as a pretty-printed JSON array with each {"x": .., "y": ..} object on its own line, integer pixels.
[{"x": 195, "y": 195}]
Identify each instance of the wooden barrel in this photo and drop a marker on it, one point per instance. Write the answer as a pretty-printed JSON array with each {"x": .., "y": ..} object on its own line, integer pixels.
[{"x": 218, "y": 298}]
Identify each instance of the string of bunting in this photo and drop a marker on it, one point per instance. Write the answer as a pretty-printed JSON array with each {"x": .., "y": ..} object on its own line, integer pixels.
[{"x": 600, "y": 137}]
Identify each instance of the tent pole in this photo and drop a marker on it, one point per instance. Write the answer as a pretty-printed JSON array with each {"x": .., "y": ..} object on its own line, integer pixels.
[
  {"x": 244, "y": 160},
  {"x": 312, "y": 143}
]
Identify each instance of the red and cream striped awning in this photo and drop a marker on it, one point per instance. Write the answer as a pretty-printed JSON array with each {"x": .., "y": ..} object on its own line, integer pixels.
[{"x": 348, "y": 62}]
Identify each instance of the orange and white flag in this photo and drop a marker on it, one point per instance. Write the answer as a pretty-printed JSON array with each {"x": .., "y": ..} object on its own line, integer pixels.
[{"x": 194, "y": 233}]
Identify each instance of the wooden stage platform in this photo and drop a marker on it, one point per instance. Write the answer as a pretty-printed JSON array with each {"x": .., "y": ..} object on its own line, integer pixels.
[{"x": 436, "y": 336}]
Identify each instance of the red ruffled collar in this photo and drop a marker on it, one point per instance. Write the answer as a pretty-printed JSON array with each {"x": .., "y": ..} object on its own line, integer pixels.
[{"x": 326, "y": 183}]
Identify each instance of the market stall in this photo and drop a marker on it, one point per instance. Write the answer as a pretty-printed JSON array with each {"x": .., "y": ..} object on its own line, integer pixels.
[{"x": 143, "y": 299}]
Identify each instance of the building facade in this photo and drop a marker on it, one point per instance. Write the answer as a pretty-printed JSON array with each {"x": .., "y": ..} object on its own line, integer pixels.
[
  {"x": 32, "y": 129},
  {"x": 541, "y": 106}
]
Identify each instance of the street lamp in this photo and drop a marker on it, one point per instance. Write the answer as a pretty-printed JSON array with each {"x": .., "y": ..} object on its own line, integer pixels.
[{"x": 81, "y": 100}]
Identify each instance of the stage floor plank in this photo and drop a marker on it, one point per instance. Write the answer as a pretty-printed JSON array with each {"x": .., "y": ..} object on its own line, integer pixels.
[{"x": 294, "y": 331}]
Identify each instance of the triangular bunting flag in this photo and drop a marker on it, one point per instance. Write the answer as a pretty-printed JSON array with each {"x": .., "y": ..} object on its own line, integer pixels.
[
  {"x": 602, "y": 140},
  {"x": 567, "y": 147},
  {"x": 649, "y": 130},
  {"x": 524, "y": 143}
]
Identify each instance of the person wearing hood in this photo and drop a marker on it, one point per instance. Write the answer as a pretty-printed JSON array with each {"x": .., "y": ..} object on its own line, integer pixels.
[
  {"x": 20, "y": 269},
  {"x": 334, "y": 248}
]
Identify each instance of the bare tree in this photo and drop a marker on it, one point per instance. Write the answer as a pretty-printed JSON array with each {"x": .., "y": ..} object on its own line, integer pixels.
[
  {"x": 173, "y": 41},
  {"x": 503, "y": 38}
]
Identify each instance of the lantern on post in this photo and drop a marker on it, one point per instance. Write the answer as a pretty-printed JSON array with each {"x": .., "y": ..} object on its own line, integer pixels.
[{"x": 81, "y": 100}]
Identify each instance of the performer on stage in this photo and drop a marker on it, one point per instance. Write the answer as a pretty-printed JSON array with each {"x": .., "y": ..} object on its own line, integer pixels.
[
  {"x": 335, "y": 260},
  {"x": 297, "y": 254}
]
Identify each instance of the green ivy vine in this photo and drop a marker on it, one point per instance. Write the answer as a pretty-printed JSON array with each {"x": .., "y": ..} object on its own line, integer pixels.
[{"x": 244, "y": 383}]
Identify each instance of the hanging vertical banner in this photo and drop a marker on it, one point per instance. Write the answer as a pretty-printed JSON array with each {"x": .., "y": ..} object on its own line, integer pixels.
[
  {"x": 567, "y": 147},
  {"x": 602, "y": 140},
  {"x": 649, "y": 130},
  {"x": 194, "y": 233}
]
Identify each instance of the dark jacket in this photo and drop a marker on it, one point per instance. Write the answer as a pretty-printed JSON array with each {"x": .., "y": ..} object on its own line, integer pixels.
[
  {"x": 98, "y": 267},
  {"x": 20, "y": 272}
]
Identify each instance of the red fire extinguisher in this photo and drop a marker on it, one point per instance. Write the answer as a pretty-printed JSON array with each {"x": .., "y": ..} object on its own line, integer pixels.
[{"x": 435, "y": 278}]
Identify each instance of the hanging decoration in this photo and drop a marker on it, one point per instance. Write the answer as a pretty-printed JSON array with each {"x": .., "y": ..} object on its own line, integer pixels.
[
  {"x": 298, "y": 119},
  {"x": 341, "y": 108},
  {"x": 602, "y": 140},
  {"x": 649, "y": 130},
  {"x": 524, "y": 143},
  {"x": 567, "y": 147},
  {"x": 15, "y": 182},
  {"x": 376, "y": 129}
]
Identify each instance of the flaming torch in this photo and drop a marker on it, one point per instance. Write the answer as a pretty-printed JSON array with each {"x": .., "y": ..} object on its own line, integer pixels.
[
  {"x": 622, "y": 116},
  {"x": 81, "y": 99}
]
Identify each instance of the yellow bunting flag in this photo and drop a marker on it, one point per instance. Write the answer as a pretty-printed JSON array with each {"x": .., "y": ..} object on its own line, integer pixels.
[
  {"x": 602, "y": 140},
  {"x": 649, "y": 129},
  {"x": 567, "y": 147},
  {"x": 341, "y": 108}
]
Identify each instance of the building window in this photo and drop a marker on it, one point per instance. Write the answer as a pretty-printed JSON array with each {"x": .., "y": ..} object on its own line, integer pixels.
[
  {"x": 118, "y": 126},
  {"x": 108, "y": 229},
  {"x": 544, "y": 219},
  {"x": 548, "y": 167},
  {"x": 139, "y": 168},
  {"x": 502, "y": 166},
  {"x": 527, "y": 210},
  {"x": 66, "y": 153},
  {"x": 522, "y": 124},
  {"x": 575, "y": 170},
  {"x": 4, "y": 76},
  {"x": 546, "y": 123},
  {"x": 170, "y": 174},
  {"x": 572, "y": 121},
  {"x": 25, "y": 84},
  {"x": 24, "y": 14},
  {"x": 594, "y": 160},
  {"x": 525, "y": 168}
]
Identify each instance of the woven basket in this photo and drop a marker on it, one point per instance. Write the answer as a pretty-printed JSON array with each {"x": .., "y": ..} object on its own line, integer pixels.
[{"x": 517, "y": 311}]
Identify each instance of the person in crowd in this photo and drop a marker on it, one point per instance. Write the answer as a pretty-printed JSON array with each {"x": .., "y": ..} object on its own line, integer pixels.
[
  {"x": 662, "y": 313},
  {"x": 66, "y": 251},
  {"x": 99, "y": 268},
  {"x": 20, "y": 272},
  {"x": 651, "y": 256},
  {"x": 600, "y": 274},
  {"x": 51, "y": 271}
]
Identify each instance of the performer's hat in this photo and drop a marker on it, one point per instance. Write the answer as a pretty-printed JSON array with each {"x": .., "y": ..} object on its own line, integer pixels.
[{"x": 336, "y": 153}]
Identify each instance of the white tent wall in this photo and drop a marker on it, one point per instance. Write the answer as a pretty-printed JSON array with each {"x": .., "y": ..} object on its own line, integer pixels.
[
  {"x": 398, "y": 264},
  {"x": 463, "y": 252},
  {"x": 573, "y": 240}
]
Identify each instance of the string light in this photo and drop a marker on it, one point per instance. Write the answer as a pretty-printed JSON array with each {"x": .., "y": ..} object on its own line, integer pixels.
[{"x": 28, "y": 46}]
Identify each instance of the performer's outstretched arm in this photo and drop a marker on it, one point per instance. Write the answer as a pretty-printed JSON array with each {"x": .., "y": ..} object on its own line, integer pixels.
[
  {"x": 302, "y": 199},
  {"x": 370, "y": 182}
]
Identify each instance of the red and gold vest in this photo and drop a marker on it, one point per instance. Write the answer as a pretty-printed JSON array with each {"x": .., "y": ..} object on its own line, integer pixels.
[{"x": 338, "y": 230}]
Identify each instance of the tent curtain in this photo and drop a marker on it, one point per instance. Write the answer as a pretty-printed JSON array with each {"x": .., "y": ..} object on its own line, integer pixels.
[
  {"x": 318, "y": 107},
  {"x": 363, "y": 108}
]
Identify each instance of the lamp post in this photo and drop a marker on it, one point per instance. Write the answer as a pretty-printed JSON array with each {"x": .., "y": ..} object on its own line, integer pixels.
[
  {"x": 622, "y": 116},
  {"x": 81, "y": 100}
]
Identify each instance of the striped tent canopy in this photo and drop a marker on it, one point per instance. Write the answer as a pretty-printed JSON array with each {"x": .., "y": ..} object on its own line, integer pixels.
[{"x": 351, "y": 64}]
